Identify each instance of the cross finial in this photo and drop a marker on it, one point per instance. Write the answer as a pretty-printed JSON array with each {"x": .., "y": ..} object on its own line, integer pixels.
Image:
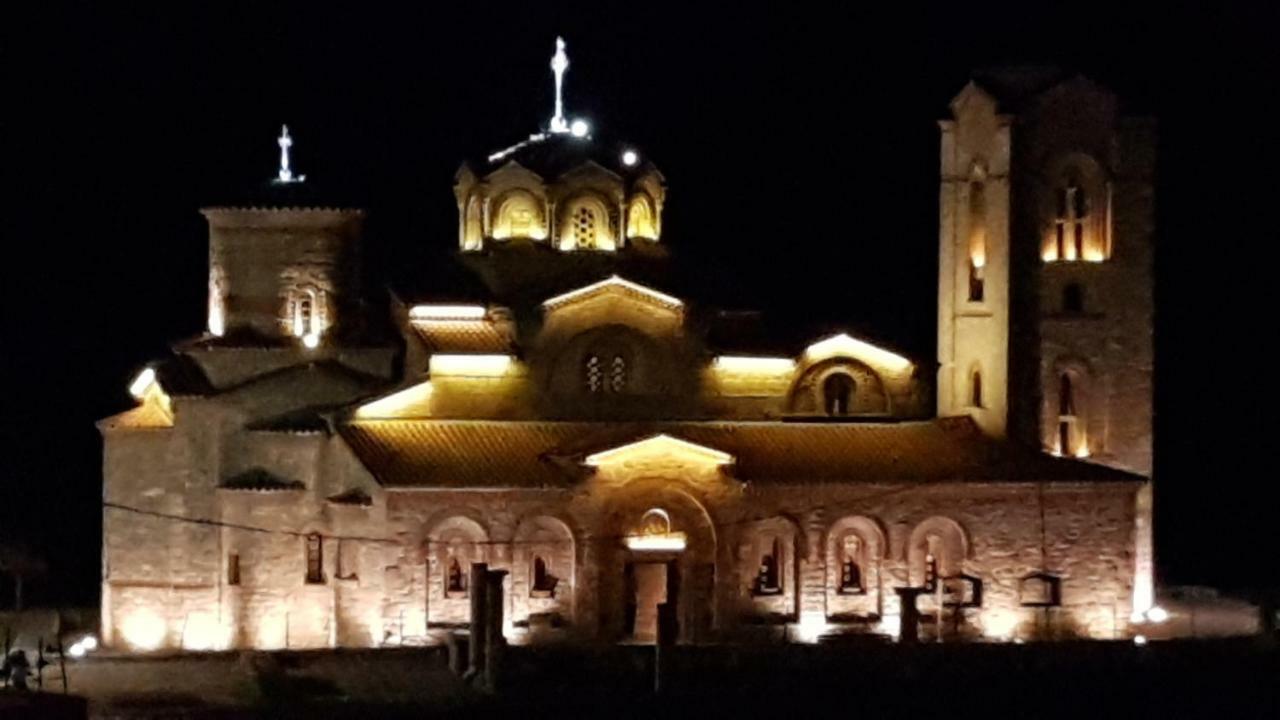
[
  {"x": 559, "y": 63},
  {"x": 285, "y": 175}
]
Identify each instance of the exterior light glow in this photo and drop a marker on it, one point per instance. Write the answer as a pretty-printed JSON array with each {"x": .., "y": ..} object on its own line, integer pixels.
[
  {"x": 89, "y": 642},
  {"x": 470, "y": 365},
  {"x": 405, "y": 403},
  {"x": 579, "y": 128},
  {"x": 77, "y": 650},
  {"x": 1157, "y": 614},
  {"x": 1082, "y": 451},
  {"x": 670, "y": 542},
  {"x": 630, "y": 158},
  {"x": 844, "y": 345},
  {"x": 758, "y": 365},
  {"x": 811, "y": 627},
  {"x": 1139, "y": 640},
  {"x": 143, "y": 629},
  {"x": 447, "y": 312},
  {"x": 311, "y": 340},
  {"x": 890, "y": 625},
  {"x": 141, "y": 384},
  {"x": 999, "y": 624}
]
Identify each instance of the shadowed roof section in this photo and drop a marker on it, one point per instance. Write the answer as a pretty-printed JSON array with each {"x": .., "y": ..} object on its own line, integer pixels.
[{"x": 496, "y": 454}]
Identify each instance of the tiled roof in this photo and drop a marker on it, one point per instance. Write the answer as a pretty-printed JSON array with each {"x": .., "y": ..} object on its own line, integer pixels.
[
  {"x": 461, "y": 453},
  {"x": 463, "y": 336}
]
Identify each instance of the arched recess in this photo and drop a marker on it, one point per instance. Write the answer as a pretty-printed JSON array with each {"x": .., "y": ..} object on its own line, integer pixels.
[
  {"x": 586, "y": 223},
  {"x": 473, "y": 224},
  {"x": 454, "y": 542},
  {"x": 1068, "y": 410},
  {"x": 691, "y": 570},
  {"x": 1076, "y": 207},
  {"x": 811, "y": 392},
  {"x": 519, "y": 215},
  {"x": 544, "y": 569},
  {"x": 855, "y": 551},
  {"x": 769, "y": 554},
  {"x": 642, "y": 219},
  {"x": 937, "y": 548}
]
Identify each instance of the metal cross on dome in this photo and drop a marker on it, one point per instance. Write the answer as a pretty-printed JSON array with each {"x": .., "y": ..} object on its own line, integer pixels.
[
  {"x": 285, "y": 175},
  {"x": 559, "y": 63}
]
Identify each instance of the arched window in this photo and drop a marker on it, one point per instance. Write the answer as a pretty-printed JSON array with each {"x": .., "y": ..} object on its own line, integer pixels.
[
  {"x": 594, "y": 374},
  {"x": 472, "y": 225},
  {"x": 1066, "y": 415},
  {"x": 851, "y": 566},
  {"x": 599, "y": 379},
  {"x": 975, "y": 389},
  {"x": 456, "y": 581},
  {"x": 930, "y": 571},
  {"x": 1072, "y": 215},
  {"x": 315, "y": 559},
  {"x": 640, "y": 222},
  {"x": 837, "y": 394},
  {"x": 584, "y": 227},
  {"x": 769, "y": 574},
  {"x": 306, "y": 312},
  {"x": 519, "y": 216},
  {"x": 977, "y": 240},
  {"x": 544, "y": 583},
  {"x": 1073, "y": 299},
  {"x": 618, "y": 374}
]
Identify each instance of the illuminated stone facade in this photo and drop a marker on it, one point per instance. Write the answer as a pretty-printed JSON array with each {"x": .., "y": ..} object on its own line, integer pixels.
[{"x": 309, "y": 475}]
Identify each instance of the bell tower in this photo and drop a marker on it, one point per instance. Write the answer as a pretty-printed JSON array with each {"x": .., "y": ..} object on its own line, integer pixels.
[{"x": 1046, "y": 253}]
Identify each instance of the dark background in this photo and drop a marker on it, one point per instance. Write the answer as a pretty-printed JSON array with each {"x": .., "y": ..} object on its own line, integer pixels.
[{"x": 800, "y": 147}]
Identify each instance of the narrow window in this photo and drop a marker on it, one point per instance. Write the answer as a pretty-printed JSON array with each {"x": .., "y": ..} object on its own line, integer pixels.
[
  {"x": 1073, "y": 299},
  {"x": 975, "y": 397},
  {"x": 1069, "y": 220},
  {"x": 584, "y": 228},
  {"x": 456, "y": 582},
  {"x": 618, "y": 374},
  {"x": 233, "y": 569},
  {"x": 851, "y": 566},
  {"x": 1066, "y": 397},
  {"x": 930, "y": 571},
  {"x": 1066, "y": 415},
  {"x": 769, "y": 573},
  {"x": 977, "y": 284},
  {"x": 837, "y": 392},
  {"x": 594, "y": 374},
  {"x": 315, "y": 559},
  {"x": 544, "y": 583},
  {"x": 347, "y": 559},
  {"x": 977, "y": 240}
]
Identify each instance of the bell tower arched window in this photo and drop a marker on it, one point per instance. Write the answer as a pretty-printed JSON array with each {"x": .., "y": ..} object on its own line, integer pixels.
[
  {"x": 1068, "y": 420},
  {"x": 1073, "y": 299},
  {"x": 977, "y": 241},
  {"x": 837, "y": 394},
  {"x": 975, "y": 389}
]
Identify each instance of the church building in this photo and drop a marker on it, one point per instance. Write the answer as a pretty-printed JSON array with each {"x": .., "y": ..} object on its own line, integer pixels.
[{"x": 315, "y": 470}]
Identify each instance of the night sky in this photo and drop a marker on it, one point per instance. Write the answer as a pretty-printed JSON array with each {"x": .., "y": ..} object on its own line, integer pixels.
[{"x": 800, "y": 147}]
